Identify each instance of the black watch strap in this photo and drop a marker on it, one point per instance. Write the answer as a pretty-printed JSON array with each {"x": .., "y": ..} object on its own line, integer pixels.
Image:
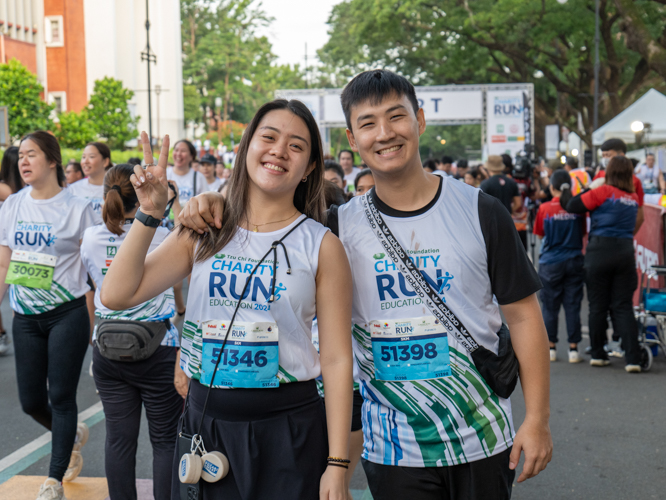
[{"x": 147, "y": 220}]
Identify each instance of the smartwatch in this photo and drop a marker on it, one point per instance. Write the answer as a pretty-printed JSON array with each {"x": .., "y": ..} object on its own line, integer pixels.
[{"x": 147, "y": 220}]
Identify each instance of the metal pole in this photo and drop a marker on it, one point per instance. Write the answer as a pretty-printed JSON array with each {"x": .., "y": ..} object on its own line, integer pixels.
[
  {"x": 158, "y": 89},
  {"x": 149, "y": 58},
  {"x": 595, "y": 125}
]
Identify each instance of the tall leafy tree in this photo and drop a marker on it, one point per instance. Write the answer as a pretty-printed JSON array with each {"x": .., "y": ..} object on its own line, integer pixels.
[
  {"x": 109, "y": 112},
  {"x": 20, "y": 92},
  {"x": 509, "y": 41},
  {"x": 225, "y": 57}
]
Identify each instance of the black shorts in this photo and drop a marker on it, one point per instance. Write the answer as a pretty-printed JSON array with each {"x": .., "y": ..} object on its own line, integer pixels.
[{"x": 488, "y": 478}]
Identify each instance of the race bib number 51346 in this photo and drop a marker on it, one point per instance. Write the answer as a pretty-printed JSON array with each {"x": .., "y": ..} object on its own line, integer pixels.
[
  {"x": 250, "y": 357},
  {"x": 410, "y": 349},
  {"x": 31, "y": 269}
]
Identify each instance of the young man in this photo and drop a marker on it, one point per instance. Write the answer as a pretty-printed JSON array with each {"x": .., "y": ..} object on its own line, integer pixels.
[
  {"x": 499, "y": 186},
  {"x": 445, "y": 433},
  {"x": 346, "y": 161}
]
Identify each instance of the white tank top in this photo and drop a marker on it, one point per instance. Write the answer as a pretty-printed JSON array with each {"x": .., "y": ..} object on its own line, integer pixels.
[
  {"x": 217, "y": 284},
  {"x": 426, "y": 422}
]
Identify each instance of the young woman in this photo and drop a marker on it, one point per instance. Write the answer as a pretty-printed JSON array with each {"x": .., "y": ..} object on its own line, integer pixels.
[
  {"x": 125, "y": 386},
  {"x": 561, "y": 265},
  {"x": 610, "y": 266},
  {"x": 207, "y": 169},
  {"x": 270, "y": 269},
  {"x": 40, "y": 237},
  {"x": 190, "y": 183},
  {"x": 95, "y": 161},
  {"x": 10, "y": 183}
]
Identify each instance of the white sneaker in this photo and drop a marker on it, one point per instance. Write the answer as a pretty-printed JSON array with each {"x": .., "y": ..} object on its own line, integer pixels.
[
  {"x": 74, "y": 467},
  {"x": 82, "y": 433},
  {"x": 633, "y": 368},
  {"x": 553, "y": 355},
  {"x": 599, "y": 362},
  {"x": 51, "y": 490},
  {"x": 76, "y": 460},
  {"x": 574, "y": 357},
  {"x": 4, "y": 343}
]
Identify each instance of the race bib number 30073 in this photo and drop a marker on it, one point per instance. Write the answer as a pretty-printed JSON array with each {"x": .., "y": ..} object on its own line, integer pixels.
[
  {"x": 250, "y": 358},
  {"x": 410, "y": 349},
  {"x": 31, "y": 269}
]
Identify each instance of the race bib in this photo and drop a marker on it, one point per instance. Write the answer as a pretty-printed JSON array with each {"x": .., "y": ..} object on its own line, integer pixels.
[
  {"x": 31, "y": 269},
  {"x": 410, "y": 349},
  {"x": 250, "y": 358}
]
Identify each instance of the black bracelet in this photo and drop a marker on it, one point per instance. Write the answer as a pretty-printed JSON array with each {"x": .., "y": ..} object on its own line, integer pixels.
[
  {"x": 338, "y": 465},
  {"x": 340, "y": 460}
]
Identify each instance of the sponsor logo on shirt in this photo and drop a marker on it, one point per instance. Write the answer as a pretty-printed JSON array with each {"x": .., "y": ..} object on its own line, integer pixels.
[{"x": 228, "y": 277}]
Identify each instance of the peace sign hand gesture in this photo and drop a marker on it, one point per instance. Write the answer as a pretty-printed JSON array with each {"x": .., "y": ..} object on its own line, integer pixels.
[{"x": 150, "y": 182}]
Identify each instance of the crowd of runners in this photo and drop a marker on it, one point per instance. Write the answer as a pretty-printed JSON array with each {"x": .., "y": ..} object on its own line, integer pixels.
[{"x": 335, "y": 313}]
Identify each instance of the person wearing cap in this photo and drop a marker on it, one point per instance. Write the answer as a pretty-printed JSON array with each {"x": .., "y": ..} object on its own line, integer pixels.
[
  {"x": 207, "y": 169},
  {"x": 500, "y": 186},
  {"x": 561, "y": 265}
]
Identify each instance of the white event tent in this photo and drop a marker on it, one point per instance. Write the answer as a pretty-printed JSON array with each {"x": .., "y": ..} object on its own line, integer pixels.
[{"x": 651, "y": 108}]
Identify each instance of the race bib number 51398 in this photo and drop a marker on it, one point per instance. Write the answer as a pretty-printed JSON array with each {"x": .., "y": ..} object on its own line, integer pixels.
[
  {"x": 31, "y": 269},
  {"x": 410, "y": 349}
]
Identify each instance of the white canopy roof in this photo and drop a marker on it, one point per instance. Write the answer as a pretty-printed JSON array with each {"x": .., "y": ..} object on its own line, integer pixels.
[{"x": 651, "y": 108}]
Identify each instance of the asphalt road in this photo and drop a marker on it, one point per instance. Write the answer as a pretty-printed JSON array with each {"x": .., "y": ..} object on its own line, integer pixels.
[{"x": 607, "y": 426}]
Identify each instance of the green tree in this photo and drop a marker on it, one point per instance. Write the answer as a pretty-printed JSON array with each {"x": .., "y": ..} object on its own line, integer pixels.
[
  {"x": 109, "y": 113},
  {"x": 225, "y": 58},
  {"x": 507, "y": 41},
  {"x": 20, "y": 92},
  {"x": 74, "y": 130}
]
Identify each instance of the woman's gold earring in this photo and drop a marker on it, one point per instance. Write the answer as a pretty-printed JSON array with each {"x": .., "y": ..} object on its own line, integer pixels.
[{"x": 305, "y": 179}]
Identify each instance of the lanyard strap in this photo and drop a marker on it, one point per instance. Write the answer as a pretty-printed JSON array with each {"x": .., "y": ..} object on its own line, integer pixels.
[
  {"x": 413, "y": 276},
  {"x": 273, "y": 249}
]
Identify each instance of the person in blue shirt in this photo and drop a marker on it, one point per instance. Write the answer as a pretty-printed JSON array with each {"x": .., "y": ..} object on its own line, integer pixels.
[{"x": 561, "y": 265}]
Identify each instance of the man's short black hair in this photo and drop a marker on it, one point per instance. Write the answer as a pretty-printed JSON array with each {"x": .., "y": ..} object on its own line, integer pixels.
[
  {"x": 462, "y": 163},
  {"x": 430, "y": 164},
  {"x": 447, "y": 159},
  {"x": 346, "y": 151},
  {"x": 375, "y": 86},
  {"x": 649, "y": 154},
  {"x": 614, "y": 145},
  {"x": 331, "y": 165},
  {"x": 572, "y": 162},
  {"x": 508, "y": 161}
]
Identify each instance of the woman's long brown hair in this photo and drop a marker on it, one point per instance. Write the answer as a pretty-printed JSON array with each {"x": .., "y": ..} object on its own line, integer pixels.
[
  {"x": 308, "y": 198},
  {"x": 620, "y": 173}
]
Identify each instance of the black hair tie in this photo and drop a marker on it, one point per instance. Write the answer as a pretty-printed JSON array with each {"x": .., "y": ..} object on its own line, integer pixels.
[{"x": 116, "y": 187}]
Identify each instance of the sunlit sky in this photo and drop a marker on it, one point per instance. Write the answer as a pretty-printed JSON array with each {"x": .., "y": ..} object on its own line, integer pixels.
[{"x": 296, "y": 23}]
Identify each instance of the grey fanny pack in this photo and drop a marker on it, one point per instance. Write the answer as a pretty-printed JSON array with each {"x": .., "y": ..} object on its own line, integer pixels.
[{"x": 126, "y": 340}]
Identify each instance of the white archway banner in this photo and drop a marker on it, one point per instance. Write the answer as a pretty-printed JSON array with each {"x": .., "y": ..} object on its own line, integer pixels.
[{"x": 505, "y": 111}]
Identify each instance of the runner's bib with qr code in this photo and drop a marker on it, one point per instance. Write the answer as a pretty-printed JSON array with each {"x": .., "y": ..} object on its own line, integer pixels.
[
  {"x": 31, "y": 269},
  {"x": 250, "y": 358},
  {"x": 410, "y": 349}
]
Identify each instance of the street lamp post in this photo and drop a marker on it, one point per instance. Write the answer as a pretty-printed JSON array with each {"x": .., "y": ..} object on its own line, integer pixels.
[{"x": 146, "y": 55}]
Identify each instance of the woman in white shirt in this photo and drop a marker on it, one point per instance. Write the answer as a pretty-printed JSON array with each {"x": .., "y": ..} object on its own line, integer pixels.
[{"x": 255, "y": 398}]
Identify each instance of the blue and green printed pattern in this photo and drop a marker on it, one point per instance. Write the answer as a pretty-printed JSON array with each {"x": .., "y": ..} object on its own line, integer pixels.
[
  {"x": 429, "y": 423},
  {"x": 35, "y": 300},
  {"x": 151, "y": 310}
]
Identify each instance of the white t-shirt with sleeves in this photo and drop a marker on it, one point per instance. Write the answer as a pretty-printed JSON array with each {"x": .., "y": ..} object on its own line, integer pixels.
[{"x": 53, "y": 227}]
